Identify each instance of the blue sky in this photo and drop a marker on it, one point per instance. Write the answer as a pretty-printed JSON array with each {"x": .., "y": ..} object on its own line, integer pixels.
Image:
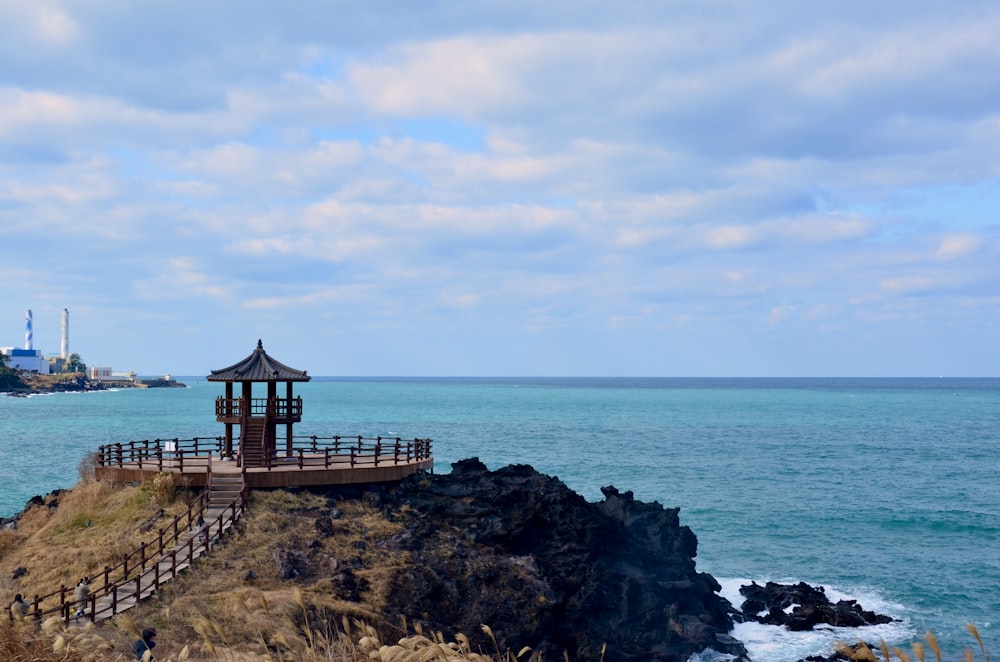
[{"x": 505, "y": 188}]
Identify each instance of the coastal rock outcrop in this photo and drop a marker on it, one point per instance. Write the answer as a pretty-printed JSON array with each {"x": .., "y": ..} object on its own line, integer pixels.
[
  {"x": 22, "y": 384},
  {"x": 521, "y": 552},
  {"x": 801, "y": 607}
]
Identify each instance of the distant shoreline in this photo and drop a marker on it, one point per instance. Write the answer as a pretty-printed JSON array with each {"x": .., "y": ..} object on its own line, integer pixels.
[{"x": 22, "y": 385}]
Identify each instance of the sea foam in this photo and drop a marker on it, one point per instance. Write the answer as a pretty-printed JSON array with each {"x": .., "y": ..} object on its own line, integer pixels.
[{"x": 774, "y": 643}]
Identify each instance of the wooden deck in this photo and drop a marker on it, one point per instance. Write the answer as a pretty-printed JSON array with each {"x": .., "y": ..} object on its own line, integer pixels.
[
  {"x": 283, "y": 472},
  {"x": 312, "y": 461}
]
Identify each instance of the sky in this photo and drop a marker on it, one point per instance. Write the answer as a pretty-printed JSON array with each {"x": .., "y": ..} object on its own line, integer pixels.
[{"x": 503, "y": 187}]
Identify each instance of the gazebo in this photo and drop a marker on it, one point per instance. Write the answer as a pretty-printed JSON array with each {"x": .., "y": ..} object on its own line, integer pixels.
[{"x": 258, "y": 418}]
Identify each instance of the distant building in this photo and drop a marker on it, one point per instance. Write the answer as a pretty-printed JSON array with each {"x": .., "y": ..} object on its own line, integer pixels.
[
  {"x": 30, "y": 360},
  {"x": 105, "y": 374},
  {"x": 98, "y": 372}
]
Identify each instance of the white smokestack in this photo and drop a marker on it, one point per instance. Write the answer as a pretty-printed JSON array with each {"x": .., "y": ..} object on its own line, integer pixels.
[
  {"x": 65, "y": 334},
  {"x": 27, "y": 330}
]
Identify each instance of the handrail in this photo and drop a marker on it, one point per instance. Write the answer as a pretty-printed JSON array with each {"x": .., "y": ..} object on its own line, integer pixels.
[
  {"x": 307, "y": 450},
  {"x": 244, "y": 417},
  {"x": 159, "y": 453},
  {"x": 236, "y": 407},
  {"x": 133, "y": 566},
  {"x": 267, "y": 439}
]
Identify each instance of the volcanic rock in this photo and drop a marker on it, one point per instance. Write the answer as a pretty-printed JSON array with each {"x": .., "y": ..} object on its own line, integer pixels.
[
  {"x": 521, "y": 552},
  {"x": 801, "y": 607}
]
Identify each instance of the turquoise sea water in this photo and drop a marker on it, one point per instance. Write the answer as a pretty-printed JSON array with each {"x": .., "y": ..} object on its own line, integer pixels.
[{"x": 885, "y": 490}]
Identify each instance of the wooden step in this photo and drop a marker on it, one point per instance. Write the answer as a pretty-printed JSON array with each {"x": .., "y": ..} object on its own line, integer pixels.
[{"x": 252, "y": 442}]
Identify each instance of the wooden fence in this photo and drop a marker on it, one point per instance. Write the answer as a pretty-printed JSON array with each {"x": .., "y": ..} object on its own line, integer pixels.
[
  {"x": 305, "y": 451},
  {"x": 159, "y": 453},
  {"x": 142, "y": 571}
]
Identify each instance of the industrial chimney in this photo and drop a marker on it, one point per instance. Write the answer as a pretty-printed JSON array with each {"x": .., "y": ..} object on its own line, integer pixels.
[
  {"x": 65, "y": 334},
  {"x": 27, "y": 330}
]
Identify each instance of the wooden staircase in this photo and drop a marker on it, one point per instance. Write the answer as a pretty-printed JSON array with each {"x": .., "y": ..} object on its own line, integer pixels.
[
  {"x": 223, "y": 491},
  {"x": 252, "y": 442}
]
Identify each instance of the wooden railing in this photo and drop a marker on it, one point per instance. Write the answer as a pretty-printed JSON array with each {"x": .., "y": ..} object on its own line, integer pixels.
[
  {"x": 326, "y": 452},
  {"x": 129, "y": 578},
  {"x": 306, "y": 451},
  {"x": 160, "y": 454},
  {"x": 233, "y": 407}
]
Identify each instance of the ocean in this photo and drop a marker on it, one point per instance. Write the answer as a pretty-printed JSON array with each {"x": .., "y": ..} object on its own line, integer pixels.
[{"x": 882, "y": 490}]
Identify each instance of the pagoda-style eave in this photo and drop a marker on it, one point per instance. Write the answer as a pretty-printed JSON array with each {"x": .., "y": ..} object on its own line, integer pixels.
[{"x": 258, "y": 367}]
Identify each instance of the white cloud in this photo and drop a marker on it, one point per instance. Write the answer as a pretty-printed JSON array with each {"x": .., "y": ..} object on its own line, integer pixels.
[
  {"x": 956, "y": 245},
  {"x": 507, "y": 170}
]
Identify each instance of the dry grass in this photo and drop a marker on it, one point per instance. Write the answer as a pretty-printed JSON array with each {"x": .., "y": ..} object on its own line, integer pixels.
[
  {"x": 92, "y": 526},
  {"x": 422, "y": 648},
  {"x": 862, "y": 653}
]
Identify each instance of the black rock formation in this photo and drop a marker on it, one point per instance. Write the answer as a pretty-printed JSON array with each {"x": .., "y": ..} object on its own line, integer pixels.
[
  {"x": 801, "y": 607},
  {"x": 521, "y": 552}
]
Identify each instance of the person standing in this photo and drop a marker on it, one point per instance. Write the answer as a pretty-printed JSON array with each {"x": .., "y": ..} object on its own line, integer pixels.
[
  {"x": 200, "y": 530},
  {"x": 81, "y": 594},
  {"x": 18, "y": 608},
  {"x": 143, "y": 648}
]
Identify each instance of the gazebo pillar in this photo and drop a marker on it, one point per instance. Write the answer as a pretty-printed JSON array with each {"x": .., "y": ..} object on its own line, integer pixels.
[
  {"x": 228, "y": 412},
  {"x": 272, "y": 411},
  {"x": 288, "y": 425},
  {"x": 247, "y": 400}
]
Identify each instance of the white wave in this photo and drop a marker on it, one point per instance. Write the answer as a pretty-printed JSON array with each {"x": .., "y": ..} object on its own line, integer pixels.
[{"x": 774, "y": 643}]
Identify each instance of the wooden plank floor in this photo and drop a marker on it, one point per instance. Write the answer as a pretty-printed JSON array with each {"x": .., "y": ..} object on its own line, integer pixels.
[{"x": 284, "y": 472}]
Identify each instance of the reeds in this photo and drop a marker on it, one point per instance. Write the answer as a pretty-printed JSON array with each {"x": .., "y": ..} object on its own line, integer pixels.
[
  {"x": 862, "y": 652},
  {"x": 433, "y": 648}
]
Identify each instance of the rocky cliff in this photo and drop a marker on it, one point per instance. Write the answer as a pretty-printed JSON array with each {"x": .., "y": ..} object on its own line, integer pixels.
[{"x": 523, "y": 553}]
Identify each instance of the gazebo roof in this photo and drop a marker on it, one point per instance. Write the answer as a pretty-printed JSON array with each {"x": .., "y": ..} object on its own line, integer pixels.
[{"x": 258, "y": 367}]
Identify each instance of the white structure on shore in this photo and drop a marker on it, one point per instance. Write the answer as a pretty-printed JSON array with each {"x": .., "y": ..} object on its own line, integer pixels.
[
  {"x": 29, "y": 358},
  {"x": 64, "y": 348}
]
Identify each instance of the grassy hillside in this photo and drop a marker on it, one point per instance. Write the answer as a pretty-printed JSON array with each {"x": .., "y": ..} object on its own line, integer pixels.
[{"x": 232, "y": 606}]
